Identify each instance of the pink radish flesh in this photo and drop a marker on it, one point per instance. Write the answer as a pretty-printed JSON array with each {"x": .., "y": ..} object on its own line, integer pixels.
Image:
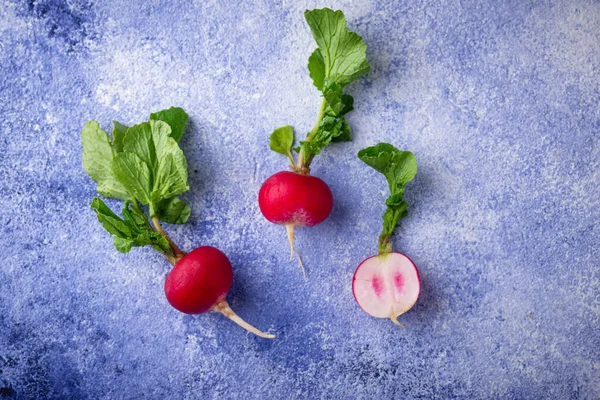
[{"x": 386, "y": 285}]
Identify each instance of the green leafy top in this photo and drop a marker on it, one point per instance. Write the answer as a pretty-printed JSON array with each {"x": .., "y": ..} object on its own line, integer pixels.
[
  {"x": 341, "y": 55},
  {"x": 176, "y": 118},
  {"x": 339, "y": 59},
  {"x": 98, "y": 151},
  {"x": 399, "y": 167},
  {"x": 151, "y": 166},
  {"x": 142, "y": 164},
  {"x": 131, "y": 230}
]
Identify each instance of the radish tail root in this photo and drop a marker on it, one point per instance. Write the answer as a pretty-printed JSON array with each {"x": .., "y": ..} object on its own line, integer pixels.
[
  {"x": 290, "y": 235},
  {"x": 223, "y": 307},
  {"x": 395, "y": 320}
]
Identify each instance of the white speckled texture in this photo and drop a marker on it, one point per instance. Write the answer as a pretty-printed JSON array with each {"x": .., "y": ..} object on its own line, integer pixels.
[{"x": 498, "y": 100}]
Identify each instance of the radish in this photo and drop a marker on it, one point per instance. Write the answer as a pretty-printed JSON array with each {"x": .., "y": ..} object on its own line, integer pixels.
[
  {"x": 296, "y": 198},
  {"x": 144, "y": 164},
  {"x": 199, "y": 283},
  {"x": 292, "y": 199},
  {"x": 388, "y": 284}
]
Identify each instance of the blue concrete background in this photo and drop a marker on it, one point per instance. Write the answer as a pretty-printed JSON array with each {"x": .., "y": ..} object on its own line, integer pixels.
[{"x": 499, "y": 100}]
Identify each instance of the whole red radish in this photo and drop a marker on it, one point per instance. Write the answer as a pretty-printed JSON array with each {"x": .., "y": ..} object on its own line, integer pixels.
[
  {"x": 199, "y": 282},
  {"x": 296, "y": 198},
  {"x": 291, "y": 198},
  {"x": 144, "y": 164},
  {"x": 388, "y": 284}
]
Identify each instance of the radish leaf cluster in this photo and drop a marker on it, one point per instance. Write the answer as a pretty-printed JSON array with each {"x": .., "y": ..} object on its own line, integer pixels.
[
  {"x": 339, "y": 59},
  {"x": 399, "y": 167},
  {"x": 131, "y": 230},
  {"x": 139, "y": 164}
]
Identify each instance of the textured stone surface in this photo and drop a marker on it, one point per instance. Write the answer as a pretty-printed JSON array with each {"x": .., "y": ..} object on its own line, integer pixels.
[{"x": 498, "y": 100}]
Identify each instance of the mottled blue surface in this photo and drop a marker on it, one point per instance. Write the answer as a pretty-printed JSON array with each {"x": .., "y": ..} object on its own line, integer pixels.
[{"x": 499, "y": 100}]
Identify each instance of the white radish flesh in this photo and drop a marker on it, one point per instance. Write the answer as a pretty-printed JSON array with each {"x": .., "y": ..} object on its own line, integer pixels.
[{"x": 386, "y": 285}]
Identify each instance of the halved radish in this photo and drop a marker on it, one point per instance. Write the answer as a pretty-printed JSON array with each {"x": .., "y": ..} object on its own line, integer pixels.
[{"x": 386, "y": 285}]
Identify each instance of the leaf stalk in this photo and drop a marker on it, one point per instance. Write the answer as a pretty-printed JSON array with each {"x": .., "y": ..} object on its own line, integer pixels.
[
  {"x": 176, "y": 250},
  {"x": 303, "y": 163}
]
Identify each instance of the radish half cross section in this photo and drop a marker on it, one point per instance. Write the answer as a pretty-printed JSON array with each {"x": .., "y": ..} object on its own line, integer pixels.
[{"x": 386, "y": 285}]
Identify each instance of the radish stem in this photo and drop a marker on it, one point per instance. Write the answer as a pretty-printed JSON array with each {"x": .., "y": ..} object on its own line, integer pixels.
[
  {"x": 176, "y": 250},
  {"x": 385, "y": 246},
  {"x": 319, "y": 118},
  {"x": 303, "y": 165},
  {"x": 223, "y": 307}
]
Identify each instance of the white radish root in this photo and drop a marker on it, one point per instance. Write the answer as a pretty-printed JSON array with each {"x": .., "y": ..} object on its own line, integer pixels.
[{"x": 290, "y": 235}]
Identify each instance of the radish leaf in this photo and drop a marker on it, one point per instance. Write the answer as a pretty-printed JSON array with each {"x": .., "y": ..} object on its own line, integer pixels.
[
  {"x": 339, "y": 59},
  {"x": 143, "y": 163},
  {"x": 176, "y": 118},
  {"x": 338, "y": 103},
  {"x": 342, "y": 53},
  {"x": 131, "y": 230},
  {"x": 98, "y": 151},
  {"x": 118, "y": 134},
  {"x": 134, "y": 174},
  {"x": 152, "y": 166},
  {"x": 316, "y": 68},
  {"x": 173, "y": 211},
  {"x": 281, "y": 140},
  {"x": 109, "y": 220}
]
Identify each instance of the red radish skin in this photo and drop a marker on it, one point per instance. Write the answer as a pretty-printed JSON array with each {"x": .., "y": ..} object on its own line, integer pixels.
[
  {"x": 386, "y": 285},
  {"x": 199, "y": 282},
  {"x": 294, "y": 199}
]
